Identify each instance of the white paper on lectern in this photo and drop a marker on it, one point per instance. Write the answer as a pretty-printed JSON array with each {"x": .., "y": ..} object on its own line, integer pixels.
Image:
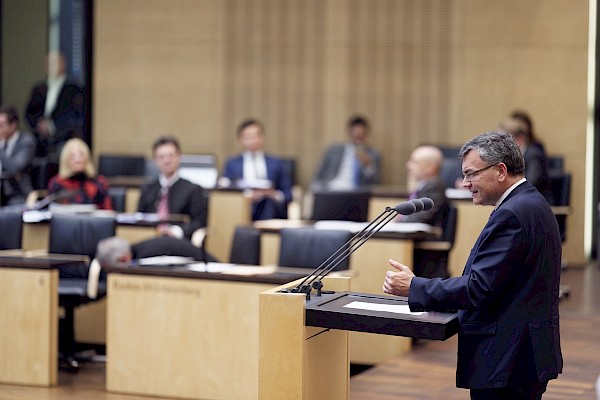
[{"x": 393, "y": 308}]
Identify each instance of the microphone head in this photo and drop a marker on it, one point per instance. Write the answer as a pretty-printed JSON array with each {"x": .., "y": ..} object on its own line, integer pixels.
[
  {"x": 405, "y": 208},
  {"x": 418, "y": 204},
  {"x": 427, "y": 203}
]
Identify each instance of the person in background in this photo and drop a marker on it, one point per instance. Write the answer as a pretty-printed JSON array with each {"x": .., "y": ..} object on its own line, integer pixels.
[
  {"x": 16, "y": 154},
  {"x": 76, "y": 182},
  {"x": 169, "y": 194},
  {"x": 507, "y": 298},
  {"x": 527, "y": 124},
  {"x": 56, "y": 113},
  {"x": 263, "y": 175},
  {"x": 424, "y": 167},
  {"x": 350, "y": 165},
  {"x": 536, "y": 162}
]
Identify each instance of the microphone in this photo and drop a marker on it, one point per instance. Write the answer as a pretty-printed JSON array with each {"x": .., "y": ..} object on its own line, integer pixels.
[
  {"x": 418, "y": 204},
  {"x": 314, "y": 278},
  {"x": 59, "y": 195},
  {"x": 427, "y": 203}
]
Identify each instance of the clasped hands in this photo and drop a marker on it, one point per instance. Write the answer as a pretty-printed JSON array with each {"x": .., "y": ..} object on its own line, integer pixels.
[{"x": 398, "y": 282}]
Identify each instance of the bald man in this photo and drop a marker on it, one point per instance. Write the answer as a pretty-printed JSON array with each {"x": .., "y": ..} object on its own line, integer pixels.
[{"x": 424, "y": 167}]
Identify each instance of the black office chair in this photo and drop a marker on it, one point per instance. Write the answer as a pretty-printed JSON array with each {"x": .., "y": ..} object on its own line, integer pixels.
[
  {"x": 118, "y": 195},
  {"x": 308, "y": 247},
  {"x": 340, "y": 205},
  {"x": 560, "y": 187},
  {"x": 11, "y": 222},
  {"x": 76, "y": 234},
  {"x": 111, "y": 165},
  {"x": 431, "y": 257},
  {"x": 245, "y": 246}
]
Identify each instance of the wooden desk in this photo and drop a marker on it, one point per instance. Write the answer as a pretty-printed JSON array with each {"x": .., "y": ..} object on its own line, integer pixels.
[
  {"x": 368, "y": 266},
  {"x": 178, "y": 333},
  {"x": 29, "y": 310}
]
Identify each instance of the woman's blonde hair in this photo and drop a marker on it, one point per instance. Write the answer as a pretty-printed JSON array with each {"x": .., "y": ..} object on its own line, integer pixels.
[{"x": 75, "y": 144}]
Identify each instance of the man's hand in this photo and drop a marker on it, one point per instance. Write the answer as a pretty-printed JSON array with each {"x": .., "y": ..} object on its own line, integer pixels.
[{"x": 398, "y": 283}]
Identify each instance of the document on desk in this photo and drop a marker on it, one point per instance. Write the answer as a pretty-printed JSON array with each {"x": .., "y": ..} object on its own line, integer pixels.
[
  {"x": 165, "y": 260},
  {"x": 393, "y": 308},
  {"x": 354, "y": 227},
  {"x": 210, "y": 267}
]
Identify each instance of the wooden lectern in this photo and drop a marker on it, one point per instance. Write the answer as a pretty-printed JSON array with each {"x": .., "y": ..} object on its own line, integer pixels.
[{"x": 303, "y": 344}]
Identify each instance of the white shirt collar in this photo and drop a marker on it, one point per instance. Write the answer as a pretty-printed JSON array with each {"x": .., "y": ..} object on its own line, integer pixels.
[
  {"x": 164, "y": 182},
  {"x": 507, "y": 192},
  {"x": 10, "y": 144}
]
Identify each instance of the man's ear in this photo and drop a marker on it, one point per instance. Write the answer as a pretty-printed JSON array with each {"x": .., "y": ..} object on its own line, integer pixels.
[{"x": 502, "y": 172}]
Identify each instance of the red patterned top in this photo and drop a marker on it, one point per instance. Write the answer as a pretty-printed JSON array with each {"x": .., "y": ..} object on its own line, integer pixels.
[{"x": 80, "y": 189}]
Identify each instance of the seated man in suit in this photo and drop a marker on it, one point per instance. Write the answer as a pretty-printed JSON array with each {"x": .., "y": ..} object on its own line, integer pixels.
[
  {"x": 347, "y": 166},
  {"x": 424, "y": 167},
  {"x": 170, "y": 194},
  {"x": 263, "y": 175},
  {"x": 16, "y": 153}
]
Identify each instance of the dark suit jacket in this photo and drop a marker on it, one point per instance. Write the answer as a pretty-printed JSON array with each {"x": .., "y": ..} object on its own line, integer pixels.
[
  {"x": 68, "y": 116},
  {"x": 507, "y": 297},
  {"x": 18, "y": 166},
  {"x": 184, "y": 198},
  {"x": 332, "y": 161},
  {"x": 169, "y": 246},
  {"x": 435, "y": 190},
  {"x": 276, "y": 173}
]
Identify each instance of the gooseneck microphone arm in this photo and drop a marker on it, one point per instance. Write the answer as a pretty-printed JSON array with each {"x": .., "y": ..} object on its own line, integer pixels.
[{"x": 315, "y": 277}]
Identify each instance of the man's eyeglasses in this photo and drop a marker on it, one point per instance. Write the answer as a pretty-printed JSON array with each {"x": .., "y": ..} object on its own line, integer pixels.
[{"x": 468, "y": 176}]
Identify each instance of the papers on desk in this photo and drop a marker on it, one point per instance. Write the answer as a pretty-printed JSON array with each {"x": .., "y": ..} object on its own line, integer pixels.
[
  {"x": 458, "y": 194},
  {"x": 392, "y": 308},
  {"x": 165, "y": 260},
  {"x": 36, "y": 216},
  {"x": 132, "y": 218},
  {"x": 231, "y": 269},
  {"x": 354, "y": 227}
]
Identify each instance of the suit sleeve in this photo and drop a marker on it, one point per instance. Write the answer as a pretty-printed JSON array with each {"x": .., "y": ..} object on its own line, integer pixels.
[
  {"x": 198, "y": 211},
  {"x": 144, "y": 203},
  {"x": 495, "y": 264},
  {"x": 284, "y": 182},
  {"x": 21, "y": 156}
]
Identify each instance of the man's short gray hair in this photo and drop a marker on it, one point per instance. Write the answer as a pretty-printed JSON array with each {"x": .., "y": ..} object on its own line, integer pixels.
[
  {"x": 494, "y": 148},
  {"x": 111, "y": 250}
]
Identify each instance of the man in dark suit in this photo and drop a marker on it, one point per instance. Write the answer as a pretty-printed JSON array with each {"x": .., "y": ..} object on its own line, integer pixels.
[
  {"x": 424, "y": 167},
  {"x": 347, "y": 166},
  {"x": 16, "y": 154},
  {"x": 55, "y": 111},
  {"x": 507, "y": 297},
  {"x": 264, "y": 176},
  {"x": 170, "y": 194}
]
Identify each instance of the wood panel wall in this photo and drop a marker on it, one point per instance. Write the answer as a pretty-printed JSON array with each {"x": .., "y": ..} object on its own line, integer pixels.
[{"x": 436, "y": 71}]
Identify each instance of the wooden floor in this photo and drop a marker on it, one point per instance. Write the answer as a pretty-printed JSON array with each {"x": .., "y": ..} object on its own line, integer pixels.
[{"x": 427, "y": 373}]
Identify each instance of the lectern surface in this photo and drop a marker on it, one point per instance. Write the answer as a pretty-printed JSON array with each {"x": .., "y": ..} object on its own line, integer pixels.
[{"x": 377, "y": 314}]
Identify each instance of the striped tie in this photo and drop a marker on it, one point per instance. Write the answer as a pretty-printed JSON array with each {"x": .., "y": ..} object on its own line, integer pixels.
[{"x": 163, "y": 205}]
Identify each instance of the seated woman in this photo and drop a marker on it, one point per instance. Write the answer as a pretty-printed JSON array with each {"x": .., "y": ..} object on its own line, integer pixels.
[{"x": 76, "y": 182}]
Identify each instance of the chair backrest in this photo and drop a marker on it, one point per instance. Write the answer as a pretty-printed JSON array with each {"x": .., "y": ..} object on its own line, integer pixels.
[
  {"x": 121, "y": 165},
  {"x": 340, "y": 205},
  {"x": 79, "y": 234},
  {"x": 308, "y": 247},
  {"x": 11, "y": 224},
  {"x": 451, "y": 170},
  {"x": 245, "y": 246},
  {"x": 289, "y": 167},
  {"x": 560, "y": 186},
  {"x": 200, "y": 169},
  {"x": 449, "y": 225},
  {"x": 118, "y": 195}
]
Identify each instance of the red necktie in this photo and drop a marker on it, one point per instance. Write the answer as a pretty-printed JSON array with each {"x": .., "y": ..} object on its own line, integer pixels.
[{"x": 163, "y": 205}]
